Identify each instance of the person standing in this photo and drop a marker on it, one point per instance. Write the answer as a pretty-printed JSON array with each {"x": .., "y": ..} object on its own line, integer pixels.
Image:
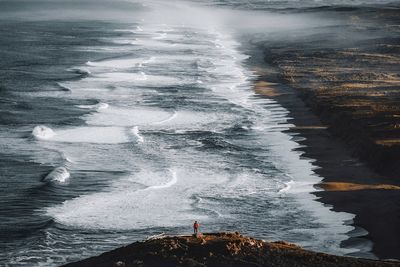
[{"x": 196, "y": 226}]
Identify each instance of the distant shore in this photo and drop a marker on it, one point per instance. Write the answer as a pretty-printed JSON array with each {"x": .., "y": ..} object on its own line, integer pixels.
[
  {"x": 344, "y": 98},
  {"x": 219, "y": 249}
]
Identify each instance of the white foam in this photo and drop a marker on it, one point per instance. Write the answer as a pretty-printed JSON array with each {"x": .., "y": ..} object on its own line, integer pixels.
[
  {"x": 121, "y": 63},
  {"x": 288, "y": 186},
  {"x": 106, "y": 135},
  {"x": 122, "y": 41},
  {"x": 98, "y": 106},
  {"x": 158, "y": 119},
  {"x": 170, "y": 183},
  {"x": 100, "y": 49},
  {"x": 173, "y": 116},
  {"x": 135, "y": 131},
  {"x": 118, "y": 116},
  {"x": 42, "y": 132},
  {"x": 151, "y": 59},
  {"x": 163, "y": 45},
  {"x": 185, "y": 120},
  {"x": 69, "y": 160},
  {"x": 161, "y": 36},
  {"x": 105, "y": 80},
  {"x": 59, "y": 174},
  {"x": 122, "y": 77},
  {"x": 159, "y": 205}
]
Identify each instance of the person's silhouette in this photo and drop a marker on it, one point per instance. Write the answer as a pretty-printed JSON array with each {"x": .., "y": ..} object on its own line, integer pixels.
[{"x": 196, "y": 226}]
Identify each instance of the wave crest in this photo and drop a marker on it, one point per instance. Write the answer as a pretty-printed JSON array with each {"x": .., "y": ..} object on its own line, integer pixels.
[
  {"x": 59, "y": 174},
  {"x": 97, "y": 106},
  {"x": 42, "y": 132},
  {"x": 135, "y": 131}
]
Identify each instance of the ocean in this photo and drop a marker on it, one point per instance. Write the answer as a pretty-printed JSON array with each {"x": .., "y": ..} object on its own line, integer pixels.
[{"x": 123, "y": 121}]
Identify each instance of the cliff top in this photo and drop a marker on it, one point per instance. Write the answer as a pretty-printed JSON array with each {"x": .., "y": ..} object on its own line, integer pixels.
[{"x": 218, "y": 249}]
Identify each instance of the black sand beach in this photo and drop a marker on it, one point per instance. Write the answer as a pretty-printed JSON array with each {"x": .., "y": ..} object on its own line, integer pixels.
[{"x": 347, "y": 78}]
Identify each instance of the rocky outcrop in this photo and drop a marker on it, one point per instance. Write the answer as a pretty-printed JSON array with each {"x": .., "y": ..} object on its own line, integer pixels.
[{"x": 219, "y": 249}]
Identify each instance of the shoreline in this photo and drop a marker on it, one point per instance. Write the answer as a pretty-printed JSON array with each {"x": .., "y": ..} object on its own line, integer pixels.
[
  {"x": 333, "y": 135},
  {"x": 330, "y": 152},
  {"x": 316, "y": 141},
  {"x": 342, "y": 96}
]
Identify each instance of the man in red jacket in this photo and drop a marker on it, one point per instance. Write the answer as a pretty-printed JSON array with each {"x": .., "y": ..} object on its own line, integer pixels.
[{"x": 196, "y": 226}]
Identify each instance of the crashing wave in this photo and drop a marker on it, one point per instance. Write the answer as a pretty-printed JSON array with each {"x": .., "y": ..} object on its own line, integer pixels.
[
  {"x": 59, "y": 174},
  {"x": 42, "y": 132},
  {"x": 135, "y": 131}
]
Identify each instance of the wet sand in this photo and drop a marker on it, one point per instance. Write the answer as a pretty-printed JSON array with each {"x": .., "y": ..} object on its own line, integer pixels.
[{"x": 343, "y": 93}]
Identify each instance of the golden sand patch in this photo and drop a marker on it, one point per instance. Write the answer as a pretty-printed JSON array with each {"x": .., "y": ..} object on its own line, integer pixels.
[
  {"x": 339, "y": 186},
  {"x": 388, "y": 142},
  {"x": 370, "y": 55},
  {"x": 355, "y": 104},
  {"x": 372, "y": 84},
  {"x": 265, "y": 88},
  {"x": 358, "y": 85}
]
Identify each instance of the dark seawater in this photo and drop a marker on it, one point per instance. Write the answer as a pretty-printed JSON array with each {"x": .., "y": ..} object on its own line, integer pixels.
[{"x": 113, "y": 130}]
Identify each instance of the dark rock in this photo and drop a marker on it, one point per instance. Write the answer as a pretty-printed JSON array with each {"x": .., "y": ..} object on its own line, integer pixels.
[{"x": 220, "y": 249}]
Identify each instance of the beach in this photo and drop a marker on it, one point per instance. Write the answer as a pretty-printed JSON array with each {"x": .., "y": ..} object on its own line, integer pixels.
[{"x": 343, "y": 93}]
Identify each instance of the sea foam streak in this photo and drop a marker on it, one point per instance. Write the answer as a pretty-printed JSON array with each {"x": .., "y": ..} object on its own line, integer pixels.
[
  {"x": 123, "y": 63},
  {"x": 169, "y": 119},
  {"x": 135, "y": 131},
  {"x": 135, "y": 116},
  {"x": 98, "y": 106},
  {"x": 105, "y": 135}
]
